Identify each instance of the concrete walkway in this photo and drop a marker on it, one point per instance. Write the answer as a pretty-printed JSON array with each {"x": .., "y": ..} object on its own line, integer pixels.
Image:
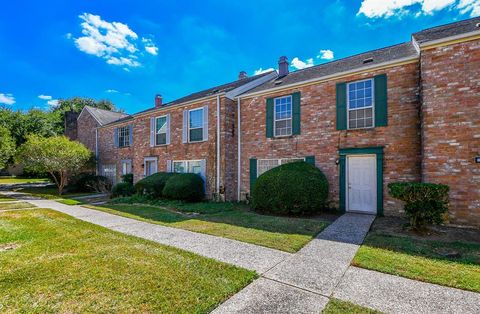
[{"x": 295, "y": 283}]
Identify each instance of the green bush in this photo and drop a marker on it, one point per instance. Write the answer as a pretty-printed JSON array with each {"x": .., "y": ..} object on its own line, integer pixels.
[
  {"x": 292, "y": 188},
  {"x": 123, "y": 189},
  {"x": 88, "y": 182},
  {"x": 425, "y": 203},
  {"x": 186, "y": 187},
  {"x": 153, "y": 185},
  {"x": 128, "y": 178}
]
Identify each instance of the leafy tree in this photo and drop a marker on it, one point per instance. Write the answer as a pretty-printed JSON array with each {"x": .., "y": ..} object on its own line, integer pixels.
[
  {"x": 33, "y": 121},
  {"x": 55, "y": 155},
  {"x": 7, "y": 146},
  {"x": 76, "y": 104}
]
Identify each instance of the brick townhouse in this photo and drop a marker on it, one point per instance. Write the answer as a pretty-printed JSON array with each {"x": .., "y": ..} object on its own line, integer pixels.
[{"x": 409, "y": 112}]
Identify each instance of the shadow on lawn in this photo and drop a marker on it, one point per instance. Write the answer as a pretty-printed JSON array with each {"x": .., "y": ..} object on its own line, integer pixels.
[
  {"x": 227, "y": 213},
  {"x": 457, "y": 251}
]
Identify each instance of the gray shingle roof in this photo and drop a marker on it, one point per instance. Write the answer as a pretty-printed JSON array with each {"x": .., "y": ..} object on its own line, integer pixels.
[
  {"x": 106, "y": 116},
  {"x": 375, "y": 57},
  {"x": 447, "y": 30},
  {"x": 211, "y": 91}
]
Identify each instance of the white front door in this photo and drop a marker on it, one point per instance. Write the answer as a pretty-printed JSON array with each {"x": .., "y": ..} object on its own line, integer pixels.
[{"x": 362, "y": 184}]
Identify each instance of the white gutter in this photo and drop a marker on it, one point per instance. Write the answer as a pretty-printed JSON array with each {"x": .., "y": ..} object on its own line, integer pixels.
[
  {"x": 447, "y": 39},
  {"x": 239, "y": 151},
  {"x": 218, "y": 147}
]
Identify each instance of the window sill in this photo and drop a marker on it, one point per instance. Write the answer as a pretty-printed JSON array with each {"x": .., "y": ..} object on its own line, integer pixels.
[{"x": 283, "y": 137}]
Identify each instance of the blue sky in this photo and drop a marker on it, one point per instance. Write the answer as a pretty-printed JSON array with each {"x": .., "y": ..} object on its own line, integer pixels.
[{"x": 128, "y": 51}]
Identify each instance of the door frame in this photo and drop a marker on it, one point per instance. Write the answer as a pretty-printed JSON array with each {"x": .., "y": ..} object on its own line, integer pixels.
[
  {"x": 154, "y": 159},
  {"x": 343, "y": 153}
]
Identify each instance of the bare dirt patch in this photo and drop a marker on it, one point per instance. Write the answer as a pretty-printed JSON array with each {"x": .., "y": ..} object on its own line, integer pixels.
[
  {"x": 8, "y": 247},
  {"x": 399, "y": 226}
]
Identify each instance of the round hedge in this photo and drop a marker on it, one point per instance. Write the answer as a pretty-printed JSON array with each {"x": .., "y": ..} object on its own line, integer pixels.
[
  {"x": 123, "y": 189},
  {"x": 293, "y": 188},
  {"x": 153, "y": 185},
  {"x": 185, "y": 186}
]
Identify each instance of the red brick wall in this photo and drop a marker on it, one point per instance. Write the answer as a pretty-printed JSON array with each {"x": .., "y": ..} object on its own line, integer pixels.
[
  {"x": 319, "y": 137},
  {"x": 86, "y": 125},
  {"x": 175, "y": 151},
  {"x": 451, "y": 125}
]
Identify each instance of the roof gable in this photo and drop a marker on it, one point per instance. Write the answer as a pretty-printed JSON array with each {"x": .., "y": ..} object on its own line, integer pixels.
[{"x": 102, "y": 116}]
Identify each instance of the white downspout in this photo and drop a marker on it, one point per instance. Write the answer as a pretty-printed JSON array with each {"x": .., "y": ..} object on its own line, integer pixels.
[
  {"x": 96, "y": 150},
  {"x": 218, "y": 147},
  {"x": 239, "y": 151}
]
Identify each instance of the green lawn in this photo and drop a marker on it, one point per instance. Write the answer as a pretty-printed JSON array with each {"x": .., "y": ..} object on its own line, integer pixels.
[
  {"x": 227, "y": 220},
  {"x": 14, "y": 180},
  {"x": 424, "y": 260},
  {"x": 18, "y": 205},
  {"x": 4, "y": 198},
  {"x": 336, "y": 306},
  {"x": 53, "y": 263}
]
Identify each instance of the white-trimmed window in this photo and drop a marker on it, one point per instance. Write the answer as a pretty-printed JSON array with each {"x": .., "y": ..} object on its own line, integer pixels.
[
  {"x": 195, "y": 125},
  {"x": 110, "y": 172},
  {"x": 282, "y": 121},
  {"x": 150, "y": 166},
  {"x": 161, "y": 130},
  {"x": 126, "y": 166},
  {"x": 360, "y": 104},
  {"x": 264, "y": 165},
  {"x": 189, "y": 166},
  {"x": 124, "y": 136}
]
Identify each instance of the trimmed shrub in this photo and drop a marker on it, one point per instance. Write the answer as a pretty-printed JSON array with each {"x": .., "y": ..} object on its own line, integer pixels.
[
  {"x": 186, "y": 187},
  {"x": 153, "y": 185},
  {"x": 89, "y": 182},
  {"x": 293, "y": 188},
  {"x": 123, "y": 189},
  {"x": 128, "y": 178},
  {"x": 425, "y": 203}
]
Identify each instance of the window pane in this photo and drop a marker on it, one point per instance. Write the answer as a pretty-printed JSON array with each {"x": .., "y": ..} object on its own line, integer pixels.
[
  {"x": 196, "y": 135},
  {"x": 283, "y": 127},
  {"x": 161, "y": 125},
  {"x": 161, "y": 139},
  {"x": 179, "y": 166},
  {"x": 266, "y": 164},
  {"x": 195, "y": 167},
  {"x": 196, "y": 119}
]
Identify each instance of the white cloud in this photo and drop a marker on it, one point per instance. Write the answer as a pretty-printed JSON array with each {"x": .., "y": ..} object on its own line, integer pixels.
[
  {"x": 150, "y": 46},
  {"x": 386, "y": 9},
  {"x": 111, "y": 91},
  {"x": 53, "y": 103},
  {"x": 472, "y": 6},
  {"x": 299, "y": 64},
  {"x": 44, "y": 97},
  {"x": 7, "y": 99},
  {"x": 114, "y": 42},
  {"x": 325, "y": 54},
  {"x": 261, "y": 71}
]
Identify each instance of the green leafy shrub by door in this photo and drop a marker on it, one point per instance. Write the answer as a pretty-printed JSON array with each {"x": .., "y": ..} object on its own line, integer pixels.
[
  {"x": 425, "y": 203},
  {"x": 293, "y": 188},
  {"x": 186, "y": 187},
  {"x": 153, "y": 185},
  {"x": 123, "y": 189}
]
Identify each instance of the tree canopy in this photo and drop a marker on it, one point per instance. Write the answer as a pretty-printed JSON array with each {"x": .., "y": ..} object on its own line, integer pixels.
[
  {"x": 7, "y": 146},
  {"x": 57, "y": 155}
]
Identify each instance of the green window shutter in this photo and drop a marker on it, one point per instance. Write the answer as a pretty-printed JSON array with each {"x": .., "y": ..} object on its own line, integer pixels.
[
  {"x": 296, "y": 113},
  {"x": 341, "y": 106},
  {"x": 253, "y": 173},
  {"x": 269, "y": 117},
  {"x": 381, "y": 100},
  {"x": 310, "y": 160}
]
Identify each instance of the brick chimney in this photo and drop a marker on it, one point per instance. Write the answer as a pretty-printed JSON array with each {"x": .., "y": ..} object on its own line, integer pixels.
[
  {"x": 71, "y": 128},
  {"x": 158, "y": 101},
  {"x": 282, "y": 66},
  {"x": 242, "y": 75}
]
